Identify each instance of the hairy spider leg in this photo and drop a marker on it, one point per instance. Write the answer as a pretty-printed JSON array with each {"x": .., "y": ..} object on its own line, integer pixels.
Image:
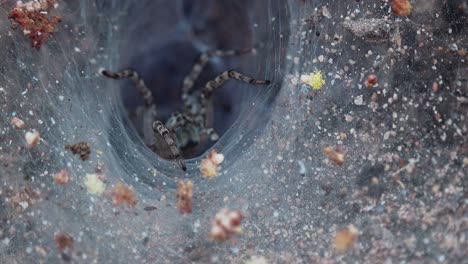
[
  {"x": 136, "y": 79},
  {"x": 160, "y": 129},
  {"x": 212, "y": 85},
  {"x": 197, "y": 68}
]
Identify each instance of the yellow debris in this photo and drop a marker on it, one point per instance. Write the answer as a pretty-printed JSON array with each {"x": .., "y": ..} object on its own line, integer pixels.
[
  {"x": 94, "y": 185},
  {"x": 314, "y": 80}
]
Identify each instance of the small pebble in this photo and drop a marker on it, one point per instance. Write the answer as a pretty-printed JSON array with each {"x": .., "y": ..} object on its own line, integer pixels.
[
  {"x": 17, "y": 123},
  {"x": 32, "y": 138}
]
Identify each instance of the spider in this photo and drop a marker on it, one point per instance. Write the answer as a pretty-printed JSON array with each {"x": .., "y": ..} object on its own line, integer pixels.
[{"x": 186, "y": 129}]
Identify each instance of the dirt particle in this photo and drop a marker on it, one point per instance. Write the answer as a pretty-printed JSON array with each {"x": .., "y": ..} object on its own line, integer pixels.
[
  {"x": 80, "y": 148},
  {"x": 32, "y": 17},
  {"x": 184, "y": 196},
  {"x": 371, "y": 81},
  {"x": 63, "y": 241},
  {"x": 401, "y": 7},
  {"x": 226, "y": 224},
  {"x": 210, "y": 166},
  {"x": 123, "y": 194},
  {"x": 150, "y": 208},
  {"x": 372, "y": 30},
  {"x": 345, "y": 238},
  {"x": 17, "y": 123},
  {"x": 62, "y": 177},
  {"x": 32, "y": 138},
  {"x": 335, "y": 155},
  {"x": 94, "y": 184}
]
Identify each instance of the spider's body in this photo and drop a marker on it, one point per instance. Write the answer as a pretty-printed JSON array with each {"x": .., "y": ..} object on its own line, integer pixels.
[{"x": 187, "y": 129}]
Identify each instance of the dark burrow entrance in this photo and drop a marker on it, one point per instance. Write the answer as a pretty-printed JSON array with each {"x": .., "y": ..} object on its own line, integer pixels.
[{"x": 164, "y": 50}]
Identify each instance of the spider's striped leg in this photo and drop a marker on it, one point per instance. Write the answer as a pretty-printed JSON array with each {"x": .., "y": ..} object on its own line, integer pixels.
[
  {"x": 201, "y": 63},
  {"x": 161, "y": 130},
  {"x": 212, "y": 85},
  {"x": 136, "y": 79}
]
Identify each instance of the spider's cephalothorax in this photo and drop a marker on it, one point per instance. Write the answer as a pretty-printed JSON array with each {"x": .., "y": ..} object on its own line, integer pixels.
[{"x": 186, "y": 129}]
